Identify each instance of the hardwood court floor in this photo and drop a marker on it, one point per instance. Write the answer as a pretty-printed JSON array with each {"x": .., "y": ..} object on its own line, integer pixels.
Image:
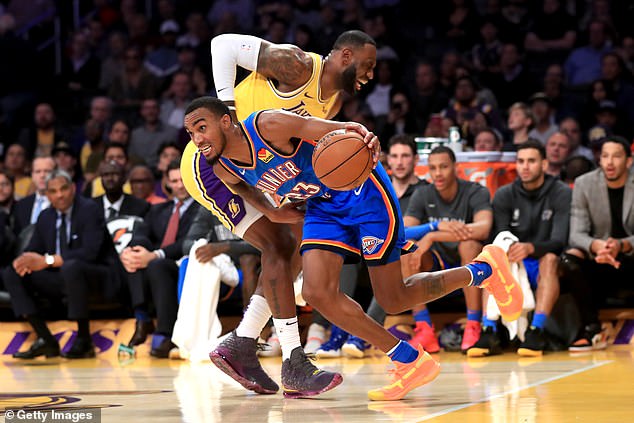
[{"x": 556, "y": 388}]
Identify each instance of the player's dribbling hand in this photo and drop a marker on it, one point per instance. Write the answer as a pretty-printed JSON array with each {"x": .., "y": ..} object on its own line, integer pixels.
[
  {"x": 287, "y": 213},
  {"x": 371, "y": 140}
]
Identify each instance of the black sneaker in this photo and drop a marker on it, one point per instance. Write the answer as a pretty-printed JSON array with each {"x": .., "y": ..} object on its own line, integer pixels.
[
  {"x": 488, "y": 344},
  {"x": 534, "y": 343},
  {"x": 237, "y": 357},
  {"x": 591, "y": 338},
  {"x": 301, "y": 379}
]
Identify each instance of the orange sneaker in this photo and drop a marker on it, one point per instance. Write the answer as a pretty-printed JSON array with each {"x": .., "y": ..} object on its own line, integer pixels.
[
  {"x": 424, "y": 335},
  {"x": 408, "y": 376},
  {"x": 471, "y": 335},
  {"x": 501, "y": 284}
]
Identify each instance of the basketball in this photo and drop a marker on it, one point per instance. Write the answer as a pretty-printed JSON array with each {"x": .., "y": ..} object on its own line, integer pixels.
[{"x": 341, "y": 160}]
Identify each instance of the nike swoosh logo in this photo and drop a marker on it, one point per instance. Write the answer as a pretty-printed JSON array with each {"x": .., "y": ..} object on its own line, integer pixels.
[
  {"x": 306, "y": 94},
  {"x": 222, "y": 89},
  {"x": 358, "y": 190},
  {"x": 242, "y": 171},
  {"x": 291, "y": 323}
]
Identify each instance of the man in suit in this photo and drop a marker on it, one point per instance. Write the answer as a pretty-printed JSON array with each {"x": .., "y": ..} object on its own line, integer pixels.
[
  {"x": 151, "y": 260},
  {"x": 115, "y": 202},
  {"x": 67, "y": 252},
  {"x": 28, "y": 209},
  {"x": 601, "y": 255}
]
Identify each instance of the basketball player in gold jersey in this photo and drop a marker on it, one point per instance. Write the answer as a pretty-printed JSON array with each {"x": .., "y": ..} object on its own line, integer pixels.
[{"x": 282, "y": 76}]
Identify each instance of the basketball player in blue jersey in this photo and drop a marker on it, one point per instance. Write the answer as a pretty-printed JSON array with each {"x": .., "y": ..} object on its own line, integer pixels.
[
  {"x": 283, "y": 76},
  {"x": 271, "y": 151}
]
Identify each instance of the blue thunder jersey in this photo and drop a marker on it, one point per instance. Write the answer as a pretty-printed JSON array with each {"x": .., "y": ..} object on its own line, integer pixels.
[
  {"x": 288, "y": 176},
  {"x": 364, "y": 222}
]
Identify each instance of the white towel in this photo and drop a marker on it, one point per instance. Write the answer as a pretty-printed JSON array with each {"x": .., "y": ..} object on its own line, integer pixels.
[
  {"x": 197, "y": 325},
  {"x": 518, "y": 327}
]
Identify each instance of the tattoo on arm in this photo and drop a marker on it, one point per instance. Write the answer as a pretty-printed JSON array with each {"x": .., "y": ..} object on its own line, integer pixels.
[{"x": 286, "y": 64}]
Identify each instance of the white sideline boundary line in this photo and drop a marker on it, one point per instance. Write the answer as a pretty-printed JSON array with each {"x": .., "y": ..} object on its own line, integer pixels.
[{"x": 512, "y": 391}]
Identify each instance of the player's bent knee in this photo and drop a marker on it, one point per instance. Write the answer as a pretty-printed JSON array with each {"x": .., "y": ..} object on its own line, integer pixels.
[
  {"x": 469, "y": 247},
  {"x": 391, "y": 304},
  {"x": 315, "y": 296},
  {"x": 549, "y": 261}
]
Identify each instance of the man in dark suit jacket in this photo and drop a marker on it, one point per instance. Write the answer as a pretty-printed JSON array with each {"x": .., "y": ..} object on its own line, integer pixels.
[
  {"x": 27, "y": 210},
  {"x": 115, "y": 202},
  {"x": 152, "y": 260},
  {"x": 68, "y": 251}
]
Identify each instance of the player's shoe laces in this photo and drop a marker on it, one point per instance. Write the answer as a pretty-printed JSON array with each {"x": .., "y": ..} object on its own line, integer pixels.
[
  {"x": 407, "y": 376},
  {"x": 534, "y": 343},
  {"x": 501, "y": 284},
  {"x": 301, "y": 379},
  {"x": 425, "y": 336},
  {"x": 272, "y": 347},
  {"x": 471, "y": 335},
  {"x": 355, "y": 347},
  {"x": 237, "y": 357},
  {"x": 488, "y": 344},
  {"x": 332, "y": 347}
]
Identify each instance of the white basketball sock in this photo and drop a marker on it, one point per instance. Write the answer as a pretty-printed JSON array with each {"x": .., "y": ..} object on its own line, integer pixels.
[
  {"x": 288, "y": 333},
  {"x": 255, "y": 318}
]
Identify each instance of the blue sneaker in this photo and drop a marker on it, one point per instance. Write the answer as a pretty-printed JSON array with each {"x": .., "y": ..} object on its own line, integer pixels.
[
  {"x": 332, "y": 347},
  {"x": 355, "y": 347}
]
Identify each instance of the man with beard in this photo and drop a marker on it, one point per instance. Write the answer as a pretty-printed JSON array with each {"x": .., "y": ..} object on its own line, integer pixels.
[
  {"x": 40, "y": 139},
  {"x": 115, "y": 202},
  {"x": 600, "y": 259},
  {"x": 536, "y": 209},
  {"x": 306, "y": 84}
]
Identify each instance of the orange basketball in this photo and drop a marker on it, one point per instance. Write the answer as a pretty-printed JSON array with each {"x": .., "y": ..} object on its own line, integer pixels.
[{"x": 341, "y": 160}]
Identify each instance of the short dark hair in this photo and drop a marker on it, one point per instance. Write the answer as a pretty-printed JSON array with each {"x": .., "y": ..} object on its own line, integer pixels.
[
  {"x": 402, "y": 139},
  {"x": 212, "y": 104},
  {"x": 619, "y": 140},
  {"x": 354, "y": 39},
  {"x": 533, "y": 143},
  {"x": 443, "y": 149},
  {"x": 168, "y": 145},
  {"x": 496, "y": 134},
  {"x": 576, "y": 166},
  {"x": 8, "y": 176},
  {"x": 174, "y": 164},
  {"x": 118, "y": 145}
]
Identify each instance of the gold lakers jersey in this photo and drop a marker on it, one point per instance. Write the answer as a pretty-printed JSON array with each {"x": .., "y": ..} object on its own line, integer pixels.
[{"x": 257, "y": 92}]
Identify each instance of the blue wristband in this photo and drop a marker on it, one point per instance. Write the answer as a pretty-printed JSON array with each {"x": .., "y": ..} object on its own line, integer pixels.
[{"x": 417, "y": 232}]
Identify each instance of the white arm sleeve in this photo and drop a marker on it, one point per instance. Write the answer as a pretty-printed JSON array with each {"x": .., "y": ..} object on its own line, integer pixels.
[{"x": 227, "y": 52}]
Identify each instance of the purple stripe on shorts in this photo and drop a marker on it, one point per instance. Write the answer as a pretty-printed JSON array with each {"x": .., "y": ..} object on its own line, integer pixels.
[{"x": 231, "y": 205}]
